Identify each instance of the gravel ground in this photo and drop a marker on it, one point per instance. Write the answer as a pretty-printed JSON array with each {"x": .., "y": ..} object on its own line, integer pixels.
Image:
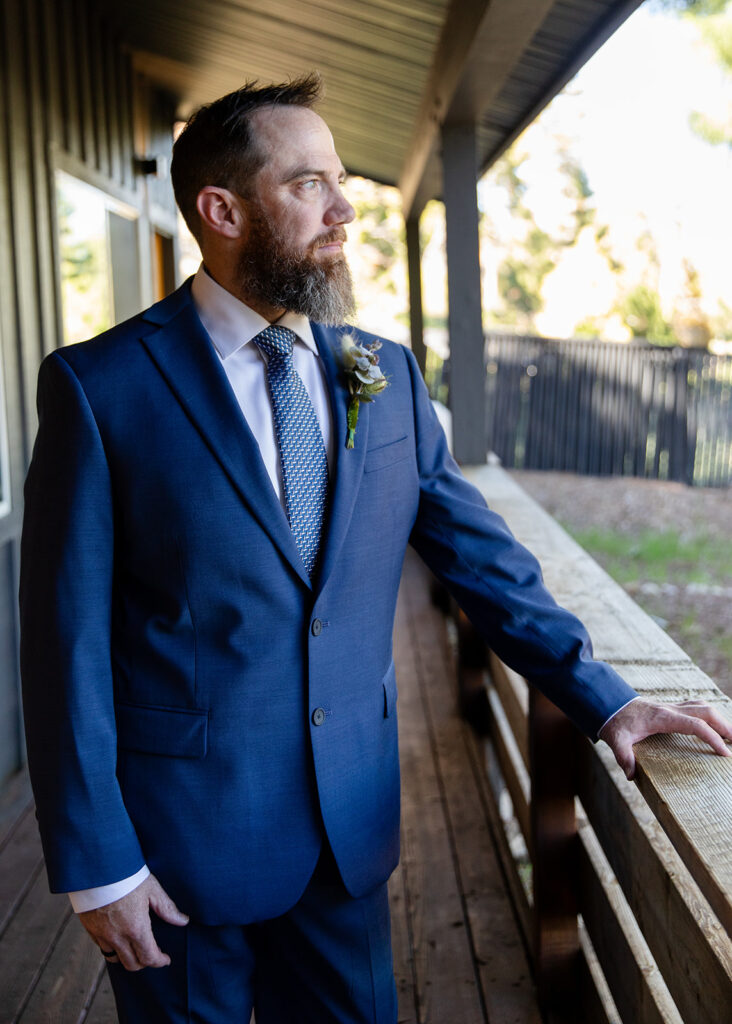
[{"x": 698, "y": 618}]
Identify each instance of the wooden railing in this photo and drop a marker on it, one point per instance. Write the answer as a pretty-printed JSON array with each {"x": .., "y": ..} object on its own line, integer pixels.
[{"x": 623, "y": 890}]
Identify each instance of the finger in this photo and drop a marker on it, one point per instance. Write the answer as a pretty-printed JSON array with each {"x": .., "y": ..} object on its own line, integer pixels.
[
  {"x": 625, "y": 756},
  {"x": 715, "y": 719},
  {"x": 128, "y": 957},
  {"x": 146, "y": 949},
  {"x": 691, "y": 725},
  {"x": 164, "y": 907},
  {"x": 109, "y": 955}
]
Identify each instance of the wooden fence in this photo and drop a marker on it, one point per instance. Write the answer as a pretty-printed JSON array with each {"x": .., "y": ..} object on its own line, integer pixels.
[
  {"x": 623, "y": 892},
  {"x": 602, "y": 408}
]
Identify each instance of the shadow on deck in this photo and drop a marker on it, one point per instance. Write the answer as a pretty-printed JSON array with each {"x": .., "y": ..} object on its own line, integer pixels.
[{"x": 458, "y": 955}]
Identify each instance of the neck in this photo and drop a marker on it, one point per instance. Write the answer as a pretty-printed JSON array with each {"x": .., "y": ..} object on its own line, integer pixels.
[{"x": 228, "y": 281}]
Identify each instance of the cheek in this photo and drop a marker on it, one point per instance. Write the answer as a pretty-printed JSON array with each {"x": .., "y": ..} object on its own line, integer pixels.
[{"x": 298, "y": 226}]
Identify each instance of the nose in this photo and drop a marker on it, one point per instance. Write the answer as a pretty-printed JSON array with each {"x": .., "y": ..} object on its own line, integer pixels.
[{"x": 340, "y": 210}]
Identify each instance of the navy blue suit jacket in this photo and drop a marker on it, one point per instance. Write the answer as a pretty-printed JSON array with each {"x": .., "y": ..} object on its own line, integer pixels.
[{"x": 170, "y": 662}]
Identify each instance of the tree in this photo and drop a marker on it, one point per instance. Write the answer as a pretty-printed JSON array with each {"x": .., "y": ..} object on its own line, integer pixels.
[
  {"x": 641, "y": 311},
  {"x": 690, "y": 322},
  {"x": 714, "y": 20},
  {"x": 533, "y": 252}
]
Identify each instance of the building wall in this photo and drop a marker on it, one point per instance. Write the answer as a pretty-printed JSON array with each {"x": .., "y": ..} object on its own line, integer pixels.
[{"x": 69, "y": 101}]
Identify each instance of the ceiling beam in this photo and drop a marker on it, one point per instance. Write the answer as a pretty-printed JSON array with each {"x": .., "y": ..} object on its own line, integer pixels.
[
  {"x": 462, "y": 21},
  {"x": 480, "y": 43},
  {"x": 504, "y": 33},
  {"x": 586, "y": 49}
]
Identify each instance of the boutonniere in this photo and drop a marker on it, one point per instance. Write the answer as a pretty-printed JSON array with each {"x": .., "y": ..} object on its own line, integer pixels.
[{"x": 365, "y": 380}]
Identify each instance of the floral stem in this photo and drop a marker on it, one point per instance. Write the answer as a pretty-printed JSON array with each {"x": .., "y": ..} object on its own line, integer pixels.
[{"x": 352, "y": 420}]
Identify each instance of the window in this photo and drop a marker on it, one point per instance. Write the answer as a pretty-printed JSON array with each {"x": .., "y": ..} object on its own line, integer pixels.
[{"x": 99, "y": 255}]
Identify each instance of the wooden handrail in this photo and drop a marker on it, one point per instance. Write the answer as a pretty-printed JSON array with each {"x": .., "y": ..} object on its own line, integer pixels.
[{"x": 629, "y": 904}]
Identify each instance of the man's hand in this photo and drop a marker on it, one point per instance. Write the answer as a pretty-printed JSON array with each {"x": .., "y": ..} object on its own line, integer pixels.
[
  {"x": 124, "y": 926},
  {"x": 642, "y": 718}
]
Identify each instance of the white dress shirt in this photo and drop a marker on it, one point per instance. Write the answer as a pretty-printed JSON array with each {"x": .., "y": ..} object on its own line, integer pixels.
[{"x": 232, "y": 326}]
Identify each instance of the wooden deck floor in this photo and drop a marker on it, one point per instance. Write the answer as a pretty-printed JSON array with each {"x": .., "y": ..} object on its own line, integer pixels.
[{"x": 458, "y": 955}]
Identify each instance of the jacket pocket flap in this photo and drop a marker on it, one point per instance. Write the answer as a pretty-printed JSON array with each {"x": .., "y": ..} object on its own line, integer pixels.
[
  {"x": 386, "y": 454},
  {"x": 169, "y": 732},
  {"x": 390, "y": 691}
]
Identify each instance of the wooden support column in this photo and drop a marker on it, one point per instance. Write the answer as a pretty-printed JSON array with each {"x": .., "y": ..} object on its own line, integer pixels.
[
  {"x": 467, "y": 368},
  {"x": 414, "y": 266},
  {"x": 552, "y": 741}
]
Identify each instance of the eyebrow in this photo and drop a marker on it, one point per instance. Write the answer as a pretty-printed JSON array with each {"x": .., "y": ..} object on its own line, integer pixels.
[{"x": 310, "y": 172}]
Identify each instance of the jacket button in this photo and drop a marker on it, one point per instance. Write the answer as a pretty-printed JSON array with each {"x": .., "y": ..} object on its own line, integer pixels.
[
  {"x": 317, "y": 627},
  {"x": 318, "y": 716}
]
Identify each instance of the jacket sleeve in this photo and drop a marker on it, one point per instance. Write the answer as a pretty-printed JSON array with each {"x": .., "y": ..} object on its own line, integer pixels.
[
  {"x": 498, "y": 583},
  {"x": 67, "y": 555}
]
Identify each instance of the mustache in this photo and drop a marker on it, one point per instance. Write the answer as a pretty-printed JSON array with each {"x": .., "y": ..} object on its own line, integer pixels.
[{"x": 336, "y": 235}]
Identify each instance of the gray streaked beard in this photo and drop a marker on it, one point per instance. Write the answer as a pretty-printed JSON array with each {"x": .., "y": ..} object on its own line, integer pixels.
[{"x": 272, "y": 273}]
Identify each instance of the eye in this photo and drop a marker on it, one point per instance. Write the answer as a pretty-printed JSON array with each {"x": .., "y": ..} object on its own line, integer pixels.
[{"x": 311, "y": 185}]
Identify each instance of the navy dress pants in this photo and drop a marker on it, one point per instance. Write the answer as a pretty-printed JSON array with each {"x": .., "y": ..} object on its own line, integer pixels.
[{"x": 327, "y": 960}]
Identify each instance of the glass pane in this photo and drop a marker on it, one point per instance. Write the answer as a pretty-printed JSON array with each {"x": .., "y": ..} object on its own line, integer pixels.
[{"x": 86, "y": 289}]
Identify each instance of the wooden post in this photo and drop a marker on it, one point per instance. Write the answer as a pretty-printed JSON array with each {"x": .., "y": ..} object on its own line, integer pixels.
[
  {"x": 472, "y": 662},
  {"x": 552, "y": 742},
  {"x": 467, "y": 366},
  {"x": 414, "y": 266}
]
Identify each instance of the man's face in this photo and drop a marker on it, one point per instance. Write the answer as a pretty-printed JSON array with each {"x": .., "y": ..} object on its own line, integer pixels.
[{"x": 293, "y": 254}]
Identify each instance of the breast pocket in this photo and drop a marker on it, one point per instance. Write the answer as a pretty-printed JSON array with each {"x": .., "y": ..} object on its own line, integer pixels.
[{"x": 387, "y": 454}]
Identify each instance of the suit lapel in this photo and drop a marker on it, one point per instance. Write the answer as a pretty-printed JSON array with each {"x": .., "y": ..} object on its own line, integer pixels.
[
  {"x": 348, "y": 467},
  {"x": 185, "y": 356}
]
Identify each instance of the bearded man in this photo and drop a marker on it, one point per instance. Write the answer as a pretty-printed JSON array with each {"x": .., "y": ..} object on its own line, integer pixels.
[{"x": 211, "y": 556}]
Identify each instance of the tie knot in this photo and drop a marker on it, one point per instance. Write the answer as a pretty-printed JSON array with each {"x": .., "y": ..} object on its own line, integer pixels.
[{"x": 276, "y": 342}]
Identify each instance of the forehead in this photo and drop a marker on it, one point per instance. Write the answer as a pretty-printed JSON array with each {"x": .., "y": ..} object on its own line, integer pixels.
[{"x": 294, "y": 137}]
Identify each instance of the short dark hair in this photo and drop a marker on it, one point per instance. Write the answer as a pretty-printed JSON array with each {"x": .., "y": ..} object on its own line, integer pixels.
[{"x": 218, "y": 147}]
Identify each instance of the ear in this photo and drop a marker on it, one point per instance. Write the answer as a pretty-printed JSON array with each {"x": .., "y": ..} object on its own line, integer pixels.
[{"x": 221, "y": 211}]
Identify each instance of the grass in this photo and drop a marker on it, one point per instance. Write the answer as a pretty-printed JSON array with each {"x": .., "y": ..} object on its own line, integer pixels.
[
  {"x": 659, "y": 557},
  {"x": 701, "y": 626}
]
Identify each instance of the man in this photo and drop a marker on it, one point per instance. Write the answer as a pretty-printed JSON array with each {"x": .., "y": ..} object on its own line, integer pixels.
[{"x": 208, "y": 590}]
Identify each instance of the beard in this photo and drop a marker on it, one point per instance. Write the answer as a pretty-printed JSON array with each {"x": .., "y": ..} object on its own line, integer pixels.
[{"x": 270, "y": 271}]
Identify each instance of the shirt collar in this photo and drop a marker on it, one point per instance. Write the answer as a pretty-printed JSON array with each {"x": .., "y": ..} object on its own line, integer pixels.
[{"x": 231, "y": 324}]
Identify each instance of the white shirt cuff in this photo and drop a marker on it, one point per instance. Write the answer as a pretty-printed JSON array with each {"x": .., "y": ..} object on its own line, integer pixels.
[
  {"x": 93, "y": 899},
  {"x": 637, "y": 697}
]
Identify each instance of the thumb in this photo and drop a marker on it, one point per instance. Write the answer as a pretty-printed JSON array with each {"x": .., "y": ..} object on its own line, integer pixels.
[
  {"x": 163, "y": 906},
  {"x": 625, "y": 757}
]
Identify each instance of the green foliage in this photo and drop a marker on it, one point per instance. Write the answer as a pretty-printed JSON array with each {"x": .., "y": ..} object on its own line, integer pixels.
[
  {"x": 519, "y": 283},
  {"x": 578, "y": 189},
  {"x": 376, "y": 218},
  {"x": 590, "y": 328},
  {"x": 641, "y": 311},
  {"x": 694, "y": 8},
  {"x": 721, "y": 323},
  {"x": 533, "y": 253},
  {"x": 78, "y": 259},
  {"x": 709, "y": 129},
  {"x": 714, "y": 20},
  {"x": 507, "y": 176}
]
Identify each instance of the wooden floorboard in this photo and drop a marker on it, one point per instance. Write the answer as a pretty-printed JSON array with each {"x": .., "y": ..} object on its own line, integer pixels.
[
  {"x": 491, "y": 944},
  {"x": 458, "y": 957}
]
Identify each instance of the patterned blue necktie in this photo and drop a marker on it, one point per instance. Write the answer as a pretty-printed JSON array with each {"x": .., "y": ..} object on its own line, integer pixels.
[{"x": 299, "y": 441}]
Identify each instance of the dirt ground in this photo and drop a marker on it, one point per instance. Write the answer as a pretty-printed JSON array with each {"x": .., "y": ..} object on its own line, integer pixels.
[{"x": 698, "y": 617}]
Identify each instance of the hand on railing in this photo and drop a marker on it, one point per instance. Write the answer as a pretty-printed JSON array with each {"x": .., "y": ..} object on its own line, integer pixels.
[{"x": 642, "y": 718}]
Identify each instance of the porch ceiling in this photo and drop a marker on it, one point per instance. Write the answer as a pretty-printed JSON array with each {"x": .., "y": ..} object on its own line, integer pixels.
[{"x": 394, "y": 70}]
